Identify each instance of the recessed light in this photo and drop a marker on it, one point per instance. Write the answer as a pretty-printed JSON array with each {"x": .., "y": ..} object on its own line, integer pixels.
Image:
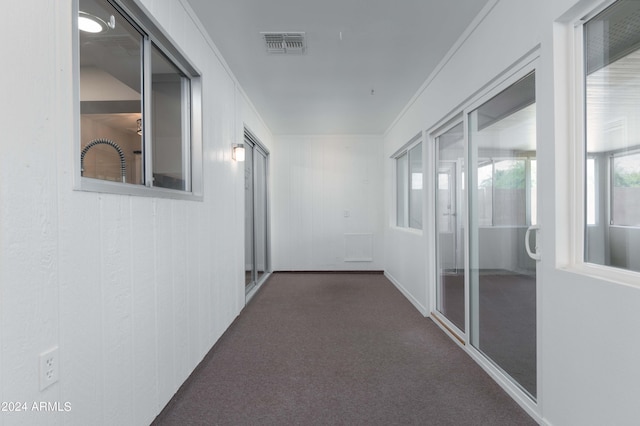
[{"x": 91, "y": 24}]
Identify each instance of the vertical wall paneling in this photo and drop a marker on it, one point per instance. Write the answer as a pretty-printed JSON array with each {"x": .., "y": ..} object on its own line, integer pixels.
[
  {"x": 116, "y": 298},
  {"x": 165, "y": 302},
  {"x": 325, "y": 187},
  {"x": 81, "y": 308},
  {"x": 182, "y": 287},
  {"x": 134, "y": 291},
  {"x": 145, "y": 344},
  {"x": 358, "y": 247},
  {"x": 194, "y": 322},
  {"x": 29, "y": 267}
]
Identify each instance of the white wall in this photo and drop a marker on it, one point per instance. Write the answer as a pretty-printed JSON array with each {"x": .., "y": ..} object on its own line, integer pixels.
[
  {"x": 405, "y": 248},
  {"x": 315, "y": 181},
  {"x": 133, "y": 290},
  {"x": 405, "y": 266},
  {"x": 588, "y": 369}
]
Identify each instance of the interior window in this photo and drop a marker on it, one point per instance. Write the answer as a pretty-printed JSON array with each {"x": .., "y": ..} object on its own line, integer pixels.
[
  {"x": 136, "y": 101},
  {"x": 170, "y": 97},
  {"x": 409, "y": 182},
  {"x": 110, "y": 94},
  {"x": 415, "y": 194},
  {"x": 402, "y": 186},
  {"x": 612, "y": 113}
]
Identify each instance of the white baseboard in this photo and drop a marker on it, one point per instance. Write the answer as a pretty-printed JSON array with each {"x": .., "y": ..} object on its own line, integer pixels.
[{"x": 423, "y": 310}]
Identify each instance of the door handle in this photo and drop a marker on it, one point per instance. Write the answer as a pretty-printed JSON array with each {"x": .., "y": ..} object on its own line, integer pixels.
[{"x": 527, "y": 242}]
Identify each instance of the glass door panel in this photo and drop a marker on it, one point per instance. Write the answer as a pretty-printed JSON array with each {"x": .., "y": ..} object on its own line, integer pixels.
[
  {"x": 261, "y": 214},
  {"x": 249, "y": 277},
  {"x": 402, "y": 169},
  {"x": 449, "y": 226},
  {"x": 256, "y": 215},
  {"x": 502, "y": 276}
]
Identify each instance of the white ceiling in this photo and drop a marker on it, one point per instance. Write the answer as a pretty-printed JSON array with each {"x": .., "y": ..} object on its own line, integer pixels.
[{"x": 388, "y": 46}]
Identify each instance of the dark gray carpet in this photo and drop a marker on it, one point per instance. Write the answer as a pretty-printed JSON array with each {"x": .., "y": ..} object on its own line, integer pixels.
[{"x": 337, "y": 349}]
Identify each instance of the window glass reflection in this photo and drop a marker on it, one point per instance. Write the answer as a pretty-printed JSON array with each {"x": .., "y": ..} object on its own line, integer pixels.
[
  {"x": 612, "y": 158},
  {"x": 110, "y": 95}
]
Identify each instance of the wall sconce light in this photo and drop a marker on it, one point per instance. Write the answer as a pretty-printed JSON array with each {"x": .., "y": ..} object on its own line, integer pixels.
[
  {"x": 139, "y": 126},
  {"x": 238, "y": 152}
]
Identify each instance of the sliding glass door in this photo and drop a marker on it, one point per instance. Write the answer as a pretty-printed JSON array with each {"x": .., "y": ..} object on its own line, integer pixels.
[
  {"x": 256, "y": 214},
  {"x": 450, "y": 287},
  {"x": 260, "y": 163},
  {"x": 485, "y": 187},
  {"x": 502, "y": 208},
  {"x": 249, "y": 246}
]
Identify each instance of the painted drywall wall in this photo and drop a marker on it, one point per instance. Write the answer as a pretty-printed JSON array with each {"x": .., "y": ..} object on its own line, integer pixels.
[
  {"x": 404, "y": 255},
  {"x": 587, "y": 370},
  {"x": 133, "y": 290},
  {"x": 327, "y": 203},
  {"x": 406, "y": 267}
]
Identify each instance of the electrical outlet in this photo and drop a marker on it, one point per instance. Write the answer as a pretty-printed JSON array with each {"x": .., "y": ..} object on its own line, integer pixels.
[{"x": 49, "y": 368}]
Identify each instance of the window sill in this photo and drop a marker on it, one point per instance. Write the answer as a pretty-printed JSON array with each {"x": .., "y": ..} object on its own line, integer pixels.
[
  {"x": 611, "y": 274},
  {"x": 504, "y": 227},
  {"x": 625, "y": 226},
  {"x": 117, "y": 188},
  {"x": 407, "y": 230}
]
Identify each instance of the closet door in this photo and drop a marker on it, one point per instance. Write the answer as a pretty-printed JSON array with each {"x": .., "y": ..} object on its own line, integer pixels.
[{"x": 502, "y": 223}]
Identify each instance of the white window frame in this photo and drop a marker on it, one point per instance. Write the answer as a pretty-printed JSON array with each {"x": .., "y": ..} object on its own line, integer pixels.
[
  {"x": 192, "y": 148},
  {"x": 404, "y": 150},
  {"x": 596, "y": 192},
  {"x": 571, "y": 208}
]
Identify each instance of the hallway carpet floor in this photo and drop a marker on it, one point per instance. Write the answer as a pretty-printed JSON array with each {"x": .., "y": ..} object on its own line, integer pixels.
[{"x": 337, "y": 349}]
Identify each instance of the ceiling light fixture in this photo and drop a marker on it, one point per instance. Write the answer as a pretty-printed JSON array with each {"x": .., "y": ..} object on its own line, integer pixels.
[{"x": 92, "y": 24}]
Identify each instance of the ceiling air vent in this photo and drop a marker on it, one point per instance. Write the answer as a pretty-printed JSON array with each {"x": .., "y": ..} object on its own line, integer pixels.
[{"x": 285, "y": 43}]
